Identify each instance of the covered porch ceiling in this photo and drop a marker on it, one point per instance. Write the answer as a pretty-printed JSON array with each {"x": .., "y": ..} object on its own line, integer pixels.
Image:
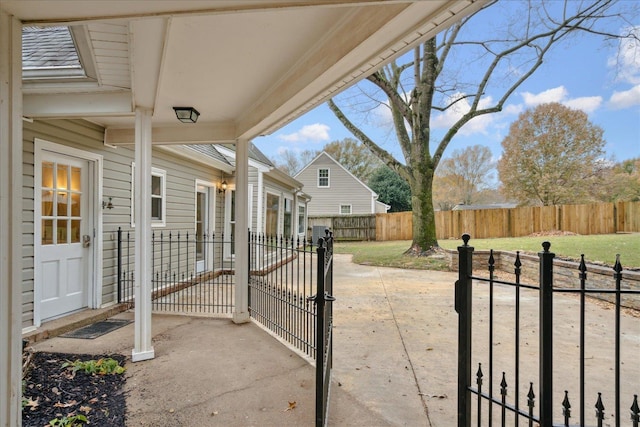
[{"x": 248, "y": 66}]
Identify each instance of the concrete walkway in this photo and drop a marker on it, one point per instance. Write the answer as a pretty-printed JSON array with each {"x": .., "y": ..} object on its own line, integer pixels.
[{"x": 394, "y": 358}]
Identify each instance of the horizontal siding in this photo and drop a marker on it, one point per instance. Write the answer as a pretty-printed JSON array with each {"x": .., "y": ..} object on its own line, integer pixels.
[
  {"x": 343, "y": 189},
  {"x": 180, "y": 203}
]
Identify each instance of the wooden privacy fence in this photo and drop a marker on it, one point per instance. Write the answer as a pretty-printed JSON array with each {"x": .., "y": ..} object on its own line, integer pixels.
[
  {"x": 347, "y": 227},
  {"x": 601, "y": 218}
]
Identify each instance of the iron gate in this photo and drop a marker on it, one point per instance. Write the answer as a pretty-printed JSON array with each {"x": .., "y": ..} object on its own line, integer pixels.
[
  {"x": 532, "y": 408},
  {"x": 324, "y": 326}
]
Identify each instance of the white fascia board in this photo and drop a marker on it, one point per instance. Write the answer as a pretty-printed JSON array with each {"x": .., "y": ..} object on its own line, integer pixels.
[
  {"x": 197, "y": 157},
  {"x": 79, "y": 105},
  {"x": 179, "y": 134}
]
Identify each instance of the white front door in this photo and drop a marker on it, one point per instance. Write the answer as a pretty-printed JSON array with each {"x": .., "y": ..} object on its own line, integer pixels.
[{"x": 64, "y": 221}]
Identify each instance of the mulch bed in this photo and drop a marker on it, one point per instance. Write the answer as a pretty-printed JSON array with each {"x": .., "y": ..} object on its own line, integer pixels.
[{"x": 51, "y": 391}]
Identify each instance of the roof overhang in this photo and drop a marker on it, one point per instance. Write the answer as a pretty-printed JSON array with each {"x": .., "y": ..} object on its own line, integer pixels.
[{"x": 248, "y": 66}]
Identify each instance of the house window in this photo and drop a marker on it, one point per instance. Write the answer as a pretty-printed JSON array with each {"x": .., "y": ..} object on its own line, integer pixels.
[
  {"x": 288, "y": 218},
  {"x": 272, "y": 214},
  {"x": 323, "y": 177},
  {"x": 301, "y": 223},
  {"x": 158, "y": 196},
  {"x": 345, "y": 209}
]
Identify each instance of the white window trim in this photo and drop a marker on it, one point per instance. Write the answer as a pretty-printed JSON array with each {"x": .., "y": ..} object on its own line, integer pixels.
[
  {"x": 154, "y": 172},
  {"x": 343, "y": 205},
  {"x": 328, "y": 178}
]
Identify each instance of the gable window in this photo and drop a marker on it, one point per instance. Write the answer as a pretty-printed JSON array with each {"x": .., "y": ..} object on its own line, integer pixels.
[
  {"x": 158, "y": 196},
  {"x": 323, "y": 177},
  {"x": 345, "y": 209}
]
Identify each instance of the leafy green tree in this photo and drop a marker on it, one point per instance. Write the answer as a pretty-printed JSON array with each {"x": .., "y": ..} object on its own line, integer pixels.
[
  {"x": 436, "y": 79},
  {"x": 391, "y": 189}
]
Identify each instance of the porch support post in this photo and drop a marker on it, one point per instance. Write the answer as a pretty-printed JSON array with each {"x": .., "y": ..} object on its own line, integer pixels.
[
  {"x": 10, "y": 219},
  {"x": 143, "y": 349},
  {"x": 241, "y": 304}
]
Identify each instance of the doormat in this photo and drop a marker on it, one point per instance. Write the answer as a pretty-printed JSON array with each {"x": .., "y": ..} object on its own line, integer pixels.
[{"x": 97, "y": 329}]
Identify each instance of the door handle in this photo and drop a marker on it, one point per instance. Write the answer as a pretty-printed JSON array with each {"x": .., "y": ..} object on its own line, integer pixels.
[{"x": 86, "y": 241}]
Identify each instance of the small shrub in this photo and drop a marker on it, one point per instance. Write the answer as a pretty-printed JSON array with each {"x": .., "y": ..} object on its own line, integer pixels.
[
  {"x": 93, "y": 367},
  {"x": 72, "y": 421}
]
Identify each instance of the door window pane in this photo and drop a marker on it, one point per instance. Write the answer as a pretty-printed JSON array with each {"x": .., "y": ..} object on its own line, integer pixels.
[
  {"x": 47, "y": 175},
  {"x": 47, "y": 232},
  {"x": 75, "y": 179},
  {"x": 75, "y": 231},
  {"x": 61, "y": 177},
  {"x": 47, "y": 203},
  {"x": 63, "y": 202},
  {"x": 75, "y": 204},
  {"x": 62, "y": 231}
]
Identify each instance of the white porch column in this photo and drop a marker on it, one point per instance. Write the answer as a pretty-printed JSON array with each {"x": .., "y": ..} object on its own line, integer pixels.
[
  {"x": 241, "y": 309},
  {"x": 143, "y": 349},
  {"x": 10, "y": 220}
]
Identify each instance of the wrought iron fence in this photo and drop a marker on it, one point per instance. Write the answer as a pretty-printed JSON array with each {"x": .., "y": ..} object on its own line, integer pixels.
[
  {"x": 502, "y": 296},
  {"x": 281, "y": 278},
  {"x": 193, "y": 276},
  {"x": 189, "y": 275}
]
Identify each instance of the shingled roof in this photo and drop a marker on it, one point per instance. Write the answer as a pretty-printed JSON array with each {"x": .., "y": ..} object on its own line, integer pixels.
[{"x": 49, "y": 47}]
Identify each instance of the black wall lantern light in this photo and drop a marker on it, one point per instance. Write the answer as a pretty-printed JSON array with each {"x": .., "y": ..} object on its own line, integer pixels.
[
  {"x": 223, "y": 187},
  {"x": 186, "y": 114}
]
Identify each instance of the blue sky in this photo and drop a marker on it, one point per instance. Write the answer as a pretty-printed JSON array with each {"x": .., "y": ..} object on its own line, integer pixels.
[{"x": 582, "y": 74}]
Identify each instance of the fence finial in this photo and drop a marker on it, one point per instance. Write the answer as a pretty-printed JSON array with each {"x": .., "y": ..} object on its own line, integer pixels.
[
  {"x": 465, "y": 238},
  {"x": 546, "y": 246},
  {"x": 635, "y": 409}
]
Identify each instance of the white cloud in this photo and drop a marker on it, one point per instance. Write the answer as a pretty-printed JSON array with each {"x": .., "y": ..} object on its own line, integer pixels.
[
  {"x": 476, "y": 125},
  {"x": 625, "y": 99},
  {"x": 588, "y": 104},
  {"x": 309, "y": 133},
  {"x": 560, "y": 94},
  {"x": 626, "y": 60},
  {"x": 556, "y": 94}
]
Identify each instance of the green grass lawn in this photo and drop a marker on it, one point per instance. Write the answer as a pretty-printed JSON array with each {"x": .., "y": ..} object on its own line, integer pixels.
[{"x": 596, "y": 248}]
